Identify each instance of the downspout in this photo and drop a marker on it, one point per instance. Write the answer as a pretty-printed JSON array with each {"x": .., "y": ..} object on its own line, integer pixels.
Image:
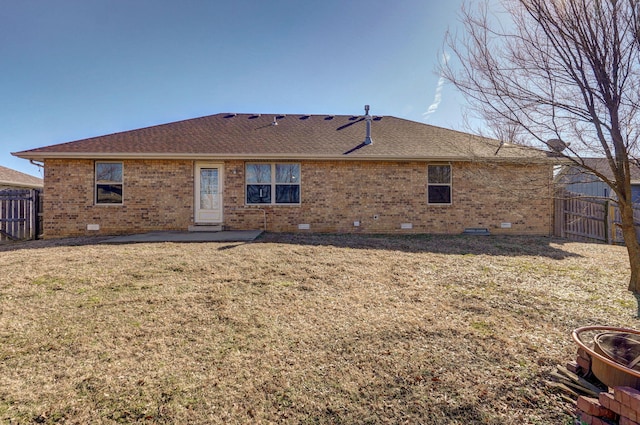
[{"x": 33, "y": 161}]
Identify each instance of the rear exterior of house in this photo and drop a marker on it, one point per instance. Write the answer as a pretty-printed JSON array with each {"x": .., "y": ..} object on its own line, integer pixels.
[{"x": 294, "y": 174}]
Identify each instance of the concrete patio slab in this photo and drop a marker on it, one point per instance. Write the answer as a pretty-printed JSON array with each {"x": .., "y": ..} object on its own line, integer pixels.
[{"x": 223, "y": 236}]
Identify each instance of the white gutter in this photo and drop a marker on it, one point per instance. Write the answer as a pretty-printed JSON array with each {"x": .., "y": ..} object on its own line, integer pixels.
[{"x": 270, "y": 156}]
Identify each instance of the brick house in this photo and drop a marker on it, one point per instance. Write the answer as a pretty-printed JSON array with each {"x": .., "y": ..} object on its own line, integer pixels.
[{"x": 294, "y": 173}]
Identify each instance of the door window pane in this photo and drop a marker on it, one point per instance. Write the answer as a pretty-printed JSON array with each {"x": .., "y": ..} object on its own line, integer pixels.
[{"x": 209, "y": 188}]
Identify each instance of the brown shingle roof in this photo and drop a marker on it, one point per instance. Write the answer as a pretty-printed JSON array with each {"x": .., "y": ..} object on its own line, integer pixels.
[
  {"x": 9, "y": 177},
  {"x": 294, "y": 137}
]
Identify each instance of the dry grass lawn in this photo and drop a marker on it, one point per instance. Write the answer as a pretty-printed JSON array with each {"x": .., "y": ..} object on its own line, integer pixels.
[{"x": 312, "y": 329}]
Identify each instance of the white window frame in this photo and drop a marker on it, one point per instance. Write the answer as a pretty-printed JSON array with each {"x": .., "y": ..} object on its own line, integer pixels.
[
  {"x": 442, "y": 184},
  {"x": 273, "y": 183},
  {"x": 98, "y": 182}
]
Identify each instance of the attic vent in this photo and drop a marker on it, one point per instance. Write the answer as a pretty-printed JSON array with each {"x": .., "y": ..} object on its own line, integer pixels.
[
  {"x": 230, "y": 115},
  {"x": 254, "y": 116},
  {"x": 329, "y": 118},
  {"x": 377, "y": 118},
  {"x": 280, "y": 116},
  {"x": 305, "y": 117}
]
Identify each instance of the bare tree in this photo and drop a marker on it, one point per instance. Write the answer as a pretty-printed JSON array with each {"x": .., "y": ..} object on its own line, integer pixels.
[{"x": 559, "y": 70}]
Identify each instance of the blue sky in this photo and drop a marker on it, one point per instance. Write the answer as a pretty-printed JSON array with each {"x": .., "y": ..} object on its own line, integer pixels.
[{"x": 72, "y": 69}]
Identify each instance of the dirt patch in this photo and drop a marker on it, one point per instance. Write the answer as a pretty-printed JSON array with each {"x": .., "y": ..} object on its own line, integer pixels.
[{"x": 317, "y": 329}]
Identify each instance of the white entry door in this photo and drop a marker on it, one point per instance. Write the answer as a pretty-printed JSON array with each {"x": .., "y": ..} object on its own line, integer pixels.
[{"x": 208, "y": 202}]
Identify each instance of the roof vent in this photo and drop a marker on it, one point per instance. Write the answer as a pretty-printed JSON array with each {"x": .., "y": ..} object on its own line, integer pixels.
[
  {"x": 275, "y": 121},
  {"x": 368, "y": 118}
]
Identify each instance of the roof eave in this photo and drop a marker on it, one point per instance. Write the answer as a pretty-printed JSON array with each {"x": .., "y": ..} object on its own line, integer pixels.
[
  {"x": 42, "y": 156},
  {"x": 20, "y": 184}
]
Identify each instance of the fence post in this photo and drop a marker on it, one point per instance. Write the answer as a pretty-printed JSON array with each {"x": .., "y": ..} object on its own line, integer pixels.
[
  {"x": 607, "y": 222},
  {"x": 37, "y": 213},
  {"x": 613, "y": 214},
  {"x": 559, "y": 217}
]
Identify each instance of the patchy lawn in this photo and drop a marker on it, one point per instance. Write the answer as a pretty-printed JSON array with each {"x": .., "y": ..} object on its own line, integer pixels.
[{"x": 300, "y": 329}]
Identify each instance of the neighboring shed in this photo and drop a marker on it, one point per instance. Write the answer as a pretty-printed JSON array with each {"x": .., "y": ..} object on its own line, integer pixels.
[
  {"x": 292, "y": 173},
  {"x": 578, "y": 180}
]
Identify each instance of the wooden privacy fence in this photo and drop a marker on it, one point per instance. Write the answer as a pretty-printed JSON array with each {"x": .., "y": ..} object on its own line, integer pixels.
[
  {"x": 20, "y": 214},
  {"x": 582, "y": 218}
]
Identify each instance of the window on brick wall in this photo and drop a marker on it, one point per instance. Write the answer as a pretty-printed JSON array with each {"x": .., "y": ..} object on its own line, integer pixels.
[
  {"x": 109, "y": 183},
  {"x": 272, "y": 183},
  {"x": 439, "y": 184}
]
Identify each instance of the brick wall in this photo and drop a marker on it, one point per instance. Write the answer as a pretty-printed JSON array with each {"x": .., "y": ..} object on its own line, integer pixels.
[
  {"x": 337, "y": 193},
  {"x": 158, "y": 195}
]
